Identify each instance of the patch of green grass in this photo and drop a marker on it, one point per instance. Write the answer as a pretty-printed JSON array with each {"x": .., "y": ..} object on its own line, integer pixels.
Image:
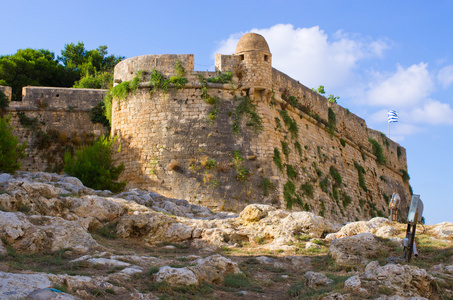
[
  {"x": 236, "y": 281},
  {"x": 107, "y": 231}
]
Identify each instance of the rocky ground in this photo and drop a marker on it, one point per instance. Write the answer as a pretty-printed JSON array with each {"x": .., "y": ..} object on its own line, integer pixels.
[{"x": 61, "y": 240}]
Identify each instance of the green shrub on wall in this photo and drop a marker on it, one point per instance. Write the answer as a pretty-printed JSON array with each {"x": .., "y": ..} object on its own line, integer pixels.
[
  {"x": 3, "y": 100},
  {"x": 11, "y": 152},
  {"x": 378, "y": 152},
  {"x": 94, "y": 166}
]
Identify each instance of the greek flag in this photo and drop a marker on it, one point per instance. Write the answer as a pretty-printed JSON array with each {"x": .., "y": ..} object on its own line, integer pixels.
[{"x": 392, "y": 116}]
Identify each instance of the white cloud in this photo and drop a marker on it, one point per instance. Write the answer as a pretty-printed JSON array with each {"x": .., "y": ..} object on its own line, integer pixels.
[
  {"x": 433, "y": 112},
  {"x": 445, "y": 76},
  {"x": 310, "y": 56},
  {"x": 405, "y": 87}
]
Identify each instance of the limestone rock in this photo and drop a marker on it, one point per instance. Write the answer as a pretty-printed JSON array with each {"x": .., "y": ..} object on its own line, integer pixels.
[
  {"x": 176, "y": 276},
  {"x": 140, "y": 296},
  {"x": 386, "y": 231},
  {"x": 210, "y": 269},
  {"x": 255, "y": 212},
  {"x": 5, "y": 177},
  {"x": 405, "y": 280},
  {"x": 355, "y": 250},
  {"x": 13, "y": 225},
  {"x": 353, "y": 283},
  {"x": 52, "y": 234},
  {"x": 443, "y": 230},
  {"x": 315, "y": 280},
  {"x": 214, "y": 268},
  {"x": 94, "y": 206},
  {"x": 41, "y": 233},
  {"x": 334, "y": 296},
  {"x": 153, "y": 227},
  {"x": 49, "y": 294},
  {"x": 355, "y": 228},
  {"x": 16, "y": 286}
]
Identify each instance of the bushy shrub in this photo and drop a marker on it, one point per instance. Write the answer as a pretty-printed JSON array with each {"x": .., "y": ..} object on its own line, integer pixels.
[
  {"x": 11, "y": 152},
  {"x": 93, "y": 165},
  {"x": 3, "y": 100}
]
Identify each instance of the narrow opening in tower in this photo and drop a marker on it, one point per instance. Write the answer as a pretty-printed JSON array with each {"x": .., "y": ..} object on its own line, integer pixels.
[
  {"x": 266, "y": 57},
  {"x": 241, "y": 56}
]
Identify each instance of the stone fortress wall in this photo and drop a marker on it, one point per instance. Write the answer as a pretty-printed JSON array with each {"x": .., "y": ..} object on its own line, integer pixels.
[
  {"x": 52, "y": 120},
  {"x": 177, "y": 144}
]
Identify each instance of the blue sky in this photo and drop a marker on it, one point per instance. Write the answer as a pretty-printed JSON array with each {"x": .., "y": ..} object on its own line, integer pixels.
[{"x": 375, "y": 55}]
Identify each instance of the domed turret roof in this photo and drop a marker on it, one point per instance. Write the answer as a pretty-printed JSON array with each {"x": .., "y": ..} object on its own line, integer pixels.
[{"x": 250, "y": 42}]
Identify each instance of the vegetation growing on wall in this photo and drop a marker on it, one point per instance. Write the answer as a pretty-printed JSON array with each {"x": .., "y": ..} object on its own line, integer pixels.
[
  {"x": 290, "y": 124},
  {"x": 238, "y": 161},
  {"x": 378, "y": 152},
  {"x": 278, "y": 159},
  {"x": 247, "y": 108},
  {"x": 4, "y": 102},
  {"x": 226, "y": 77},
  {"x": 332, "y": 121},
  {"x": 11, "y": 151},
  {"x": 97, "y": 114},
  {"x": 361, "y": 172},
  {"x": 266, "y": 185},
  {"x": 405, "y": 175},
  {"x": 120, "y": 92}
]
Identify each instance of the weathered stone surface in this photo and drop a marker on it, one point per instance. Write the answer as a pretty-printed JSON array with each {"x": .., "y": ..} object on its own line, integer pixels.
[
  {"x": 315, "y": 280},
  {"x": 385, "y": 231},
  {"x": 176, "y": 276},
  {"x": 153, "y": 227},
  {"x": 443, "y": 230},
  {"x": 41, "y": 233},
  {"x": 355, "y": 250},
  {"x": 355, "y": 228},
  {"x": 49, "y": 294},
  {"x": 255, "y": 212},
  {"x": 16, "y": 286},
  {"x": 404, "y": 280},
  {"x": 94, "y": 206},
  {"x": 210, "y": 269}
]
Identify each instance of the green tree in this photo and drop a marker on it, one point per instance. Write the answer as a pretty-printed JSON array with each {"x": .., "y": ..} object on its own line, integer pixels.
[
  {"x": 32, "y": 67},
  {"x": 94, "y": 166},
  {"x": 94, "y": 68},
  {"x": 322, "y": 91},
  {"x": 4, "y": 102},
  {"x": 11, "y": 152}
]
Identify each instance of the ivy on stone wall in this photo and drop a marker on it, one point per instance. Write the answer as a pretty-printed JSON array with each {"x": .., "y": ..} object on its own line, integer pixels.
[
  {"x": 247, "y": 108},
  {"x": 377, "y": 151},
  {"x": 120, "y": 92}
]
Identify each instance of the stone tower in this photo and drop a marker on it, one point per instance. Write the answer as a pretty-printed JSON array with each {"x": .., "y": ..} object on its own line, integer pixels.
[{"x": 255, "y": 61}]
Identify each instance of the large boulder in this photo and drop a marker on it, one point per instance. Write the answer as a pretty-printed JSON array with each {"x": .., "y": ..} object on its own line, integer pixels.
[
  {"x": 153, "y": 227},
  {"x": 315, "y": 280},
  {"x": 355, "y": 250},
  {"x": 210, "y": 269},
  {"x": 100, "y": 208},
  {"x": 403, "y": 280},
  {"x": 443, "y": 230},
  {"x": 176, "y": 276},
  {"x": 355, "y": 228},
  {"x": 43, "y": 233},
  {"x": 255, "y": 212}
]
